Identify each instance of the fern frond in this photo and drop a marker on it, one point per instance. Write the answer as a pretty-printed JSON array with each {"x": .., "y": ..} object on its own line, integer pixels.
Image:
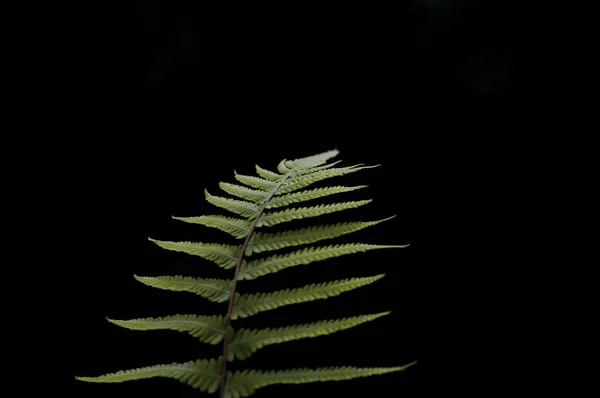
[
  {"x": 203, "y": 375},
  {"x": 253, "y": 195},
  {"x": 259, "y": 201},
  {"x": 250, "y": 304},
  {"x": 256, "y": 182},
  {"x": 215, "y": 290},
  {"x": 241, "y": 207},
  {"x": 261, "y": 242},
  {"x": 208, "y": 329},
  {"x": 233, "y": 226},
  {"x": 245, "y": 383},
  {"x": 267, "y": 174},
  {"x": 298, "y": 182},
  {"x": 273, "y": 218},
  {"x": 248, "y": 341},
  {"x": 303, "y": 196},
  {"x": 225, "y": 256},
  {"x": 263, "y": 266}
]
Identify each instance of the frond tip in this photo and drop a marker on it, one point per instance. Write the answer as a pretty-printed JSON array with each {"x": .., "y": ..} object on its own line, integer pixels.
[{"x": 307, "y": 162}]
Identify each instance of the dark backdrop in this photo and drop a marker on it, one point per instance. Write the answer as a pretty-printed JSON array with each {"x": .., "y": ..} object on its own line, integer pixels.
[{"x": 429, "y": 90}]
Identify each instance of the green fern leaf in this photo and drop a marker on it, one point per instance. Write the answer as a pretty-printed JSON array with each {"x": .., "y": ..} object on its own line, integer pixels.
[
  {"x": 203, "y": 375},
  {"x": 298, "y": 182},
  {"x": 269, "y": 175},
  {"x": 248, "y": 341},
  {"x": 250, "y": 304},
  {"x": 241, "y": 207},
  {"x": 225, "y": 256},
  {"x": 209, "y": 329},
  {"x": 255, "y": 200},
  {"x": 215, "y": 290},
  {"x": 263, "y": 266},
  {"x": 234, "y": 226},
  {"x": 245, "y": 383},
  {"x": 303, "y": 196},
  {"x": 253, "y": 195},
  {"x": 256, "y": 182},
  {"x": 261, "y": 242},
  {"x": 278, "y": 217}
]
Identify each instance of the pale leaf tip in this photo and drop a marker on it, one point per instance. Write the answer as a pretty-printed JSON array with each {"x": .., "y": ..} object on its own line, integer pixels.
[
  {"x": 399, "y": 246},
  {"x": 408, "y": 365},
  {"x": 385, "y": 219}
]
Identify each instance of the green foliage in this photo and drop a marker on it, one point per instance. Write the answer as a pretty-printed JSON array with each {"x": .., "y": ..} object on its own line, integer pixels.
[{"x": 254, "y": 201}]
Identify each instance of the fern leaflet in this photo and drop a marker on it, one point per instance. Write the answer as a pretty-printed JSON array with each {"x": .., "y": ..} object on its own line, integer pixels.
[
  {"x": 241, "y": 207},
  {"x": 209, "y": 329},
  {"x": 245, "y": 383},
  {"x": 261, "y": 242},
  {"x": 304, "y": 196},
  {"x": 278, "y": 217},
  {"x": 233, "y": 226},
  {"x": 225, "y": 256},
  {"x": 250, "y": 304},
  {"x": 256, "y": 268},
  {"x": 216, "y": 290},
  {"x": 203, "y": 375},
  {"x": 246, "y": 341}
]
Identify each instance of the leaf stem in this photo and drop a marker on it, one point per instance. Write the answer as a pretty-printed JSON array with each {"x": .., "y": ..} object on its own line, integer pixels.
[{"x": 235, "y": 279}]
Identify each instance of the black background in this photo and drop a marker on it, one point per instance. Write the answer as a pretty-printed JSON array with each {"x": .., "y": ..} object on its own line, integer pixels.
[{"x": 429, "y": 90}]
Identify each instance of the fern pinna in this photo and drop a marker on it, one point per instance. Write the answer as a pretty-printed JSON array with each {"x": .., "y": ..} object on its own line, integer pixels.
[{"x": 260, "y": 203}]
